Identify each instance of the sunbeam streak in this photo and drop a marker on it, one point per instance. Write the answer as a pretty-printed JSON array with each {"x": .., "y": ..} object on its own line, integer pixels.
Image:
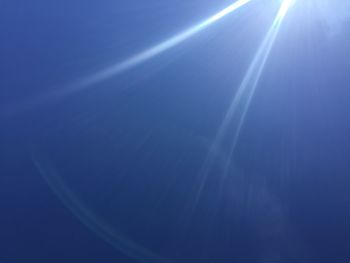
[
  {"x": 240, "y": 104},
  {"x": 159, "y": 48},
  {"x": 127, "y": 64},
  {"x": 229, "y": 131}
]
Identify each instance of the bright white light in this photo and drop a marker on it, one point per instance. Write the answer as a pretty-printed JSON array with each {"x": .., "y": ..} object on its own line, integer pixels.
[
  {"x": 244, "y": 95},
  {"x": 286, "y": 4},
  {"x": 253, "y": 74},
  {"x": 132, "y": 61},
  {"x": 159, "y": 48},
  {"x": 238, "y": 109}
]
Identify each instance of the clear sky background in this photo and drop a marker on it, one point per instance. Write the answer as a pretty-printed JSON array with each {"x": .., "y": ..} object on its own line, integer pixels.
[{"x": 118, "y": 171}]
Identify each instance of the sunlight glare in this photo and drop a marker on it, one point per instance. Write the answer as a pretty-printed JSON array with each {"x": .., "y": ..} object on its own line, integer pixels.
[{"x": 158, "y": 49}]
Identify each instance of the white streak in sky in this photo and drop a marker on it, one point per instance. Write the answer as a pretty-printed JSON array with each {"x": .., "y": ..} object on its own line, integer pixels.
[
  {"x": 236, "y": 114},
  {"x": 128, "y": 63},
  {"x": 250, "y": 81},
  {"x": 159, "y": 48}
]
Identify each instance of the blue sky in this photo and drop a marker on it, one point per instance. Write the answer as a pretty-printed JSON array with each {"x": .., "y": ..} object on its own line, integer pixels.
[{"x": 135, "y": 168}]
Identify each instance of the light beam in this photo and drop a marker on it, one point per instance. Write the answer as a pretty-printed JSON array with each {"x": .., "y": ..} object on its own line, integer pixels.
[
  {"x": 237, "y": 111},
  {"x": 159, "y": 48},
  {"x": 127, "y": 64},
  {"x": 250, "y": 81}
]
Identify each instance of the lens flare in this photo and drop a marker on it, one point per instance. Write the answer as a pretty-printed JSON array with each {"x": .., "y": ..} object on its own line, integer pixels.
[
  {"x": 237, "y": 111},
  {"x": 89, "y": 218},
  {"x": 250, "y": 81},
  {"x": 235, "y": 117},
  {"x": 159, "y": 48},
  {"x": 127, "y": 64}
]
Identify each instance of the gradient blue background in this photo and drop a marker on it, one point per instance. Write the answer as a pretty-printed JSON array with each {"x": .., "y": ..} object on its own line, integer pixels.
[{"x": 295, "y": 140}]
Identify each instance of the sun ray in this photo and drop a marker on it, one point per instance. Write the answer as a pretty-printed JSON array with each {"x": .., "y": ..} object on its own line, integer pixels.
[
  {"x": 120, "y": 67},
  {"x": 158, "y": 49},
  {"x": 249, "y": 84},
  {"x": 237, "y": 111}
]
